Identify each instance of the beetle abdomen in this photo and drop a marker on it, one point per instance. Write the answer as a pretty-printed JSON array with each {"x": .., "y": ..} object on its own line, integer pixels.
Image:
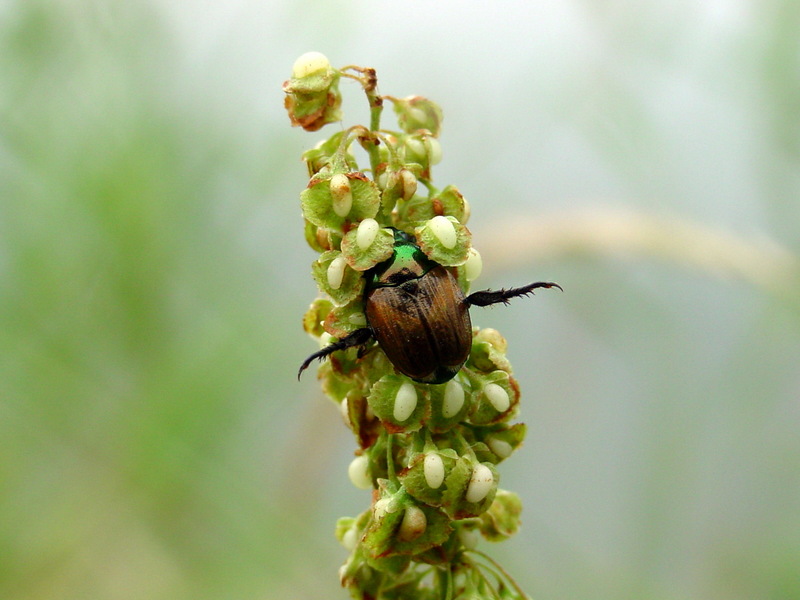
[{"x": 422, "y": 325}]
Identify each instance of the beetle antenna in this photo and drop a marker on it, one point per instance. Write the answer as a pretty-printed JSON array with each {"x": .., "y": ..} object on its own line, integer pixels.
[
  {"x": 488, "y": 297},
  {"x": 357, "y": 338}
]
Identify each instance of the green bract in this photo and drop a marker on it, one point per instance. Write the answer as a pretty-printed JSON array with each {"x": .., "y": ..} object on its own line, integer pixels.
[
  {"x": 416, "y": 112},
  {"x": 317, "y": 201},
  {"x": 393, "y": 392},
  {"x": 485, "y": 409},
  {"x": 342, "y": 320},
  {"x": 415, "y": 482},
  {"x": 449, "y": 203},
  {"x": 434, "y": 248},
  {"x": 489, "y": 351},
  {"x": 446, "y": 412},
  {"x": 378, "y": 250},
  {"x": 454, "y": 500}
]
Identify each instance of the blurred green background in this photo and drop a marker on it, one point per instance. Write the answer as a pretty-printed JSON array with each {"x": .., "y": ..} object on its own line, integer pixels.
[{"x": 154, "y": 441}]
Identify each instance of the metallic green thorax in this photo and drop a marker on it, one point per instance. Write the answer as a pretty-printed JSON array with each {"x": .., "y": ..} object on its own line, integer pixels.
[{"x": 407, "y": 262}]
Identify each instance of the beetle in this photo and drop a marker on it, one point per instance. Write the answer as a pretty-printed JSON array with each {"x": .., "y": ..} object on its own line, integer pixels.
[{"x": 418, "y": 315}]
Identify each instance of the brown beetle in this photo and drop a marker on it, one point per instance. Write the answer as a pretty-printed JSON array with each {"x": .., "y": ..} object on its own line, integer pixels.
[{"x": 418, "y": 314}]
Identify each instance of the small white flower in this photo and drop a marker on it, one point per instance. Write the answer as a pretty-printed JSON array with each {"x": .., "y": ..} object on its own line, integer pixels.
[
  {"x": 434, "y": 150},
  {"x": 433, "y": 468},
  {"x": 358, "y": 471},
  {"x": 336, "y": 272},
  {"x": 359, "y": 319},
  {"x": 350, "y": 539},
  {"x": 497, "y": 397},
  {"x": 413, "y": 525},
  {"x": 474, "y": 265},
  {"x": 469, "y": 538},
  {"x": 341, "y": 194},
  {"x": 480, "y": 483},
  {"x": 405, "y": 402},
  {"x": 366, "y": 233},
  {"x": 409, "y": 184},
  {"x": 453, "y": 399},
  {"x": 380, "y": 508},
  {"x": 444, "y": 231},
  {"x": 343, "y": 409},
  {"x": 500, "y": 447},
  {"x": 309, "y": 63}
]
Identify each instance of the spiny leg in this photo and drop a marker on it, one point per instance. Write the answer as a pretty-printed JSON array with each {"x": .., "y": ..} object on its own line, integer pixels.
[
  {"x": 358, "y": 338},
  {"x": 487, "y": 297}
]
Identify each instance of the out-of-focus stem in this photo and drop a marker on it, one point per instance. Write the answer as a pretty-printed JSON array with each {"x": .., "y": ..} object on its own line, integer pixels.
[{"x": 759, "y": 261}]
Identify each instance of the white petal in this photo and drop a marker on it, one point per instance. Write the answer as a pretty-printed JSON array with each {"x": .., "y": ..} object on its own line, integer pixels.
[
  {"x": 480, "y": 483},
  {"x": 405, "y": 402},
  {"x": 308, "y": 63},
  {"x": 443, "y": 229},
  {"x": 336, "y": 272},
  {"x": 358, "y": 471},
  {"x": 497, "y": 397},
  {"x": 433, "y": 467},
  {"x": 453, "y": 399},
  {"x": 367, "y": 231}
]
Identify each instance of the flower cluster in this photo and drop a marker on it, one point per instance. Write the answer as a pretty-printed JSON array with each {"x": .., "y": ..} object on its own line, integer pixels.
[{"x": 428, "y": 452}]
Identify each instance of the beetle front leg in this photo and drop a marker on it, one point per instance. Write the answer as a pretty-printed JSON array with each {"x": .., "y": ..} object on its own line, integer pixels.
[
  {"x": 488, "y": 297},
  {"x": 358, "y": 338}
]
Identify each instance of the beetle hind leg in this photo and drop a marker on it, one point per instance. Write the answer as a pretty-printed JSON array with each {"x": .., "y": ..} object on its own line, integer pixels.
[
  {"x": 489, "y": 297},
  {"x": 357, "y": 338}
]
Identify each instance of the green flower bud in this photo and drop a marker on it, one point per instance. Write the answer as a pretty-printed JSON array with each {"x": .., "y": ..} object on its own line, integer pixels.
[
  {"x": 324, "y": 205},
  {"x": 469, "y": 537},
  {"x": 367, "y": 245},
  {"x": 416, "y": 112},
  {"x": 425, "y": 475},
  {"x": 397, "y": 185},
  {"x": 497, "y": 399},
  {"x": 336, "y": 278},
  {"x": 500, "y": 447},
  {"x": 343, "y": 526},
  {"x": 312, "y": 94},
  {"x": 502, "y": 520},
  {"x": 433, "y": 149},
  {"x": 345, "y": 319},
  {"x": 387, "y": 536},
  {"x": 413, "y": 524},
  {"x": 322, "y": 239},
  {"x": 489, "y": 351},
  {"x": 399, "y": 404},
  {"x": 469, "y": 488},
  {"x": 322, "y": 155},
  {"x": 435, "y": 239},
  {"x": 316, "y": 315},
  {"x": 450, "y": 203},
  {"x": 422, "y": 149}
]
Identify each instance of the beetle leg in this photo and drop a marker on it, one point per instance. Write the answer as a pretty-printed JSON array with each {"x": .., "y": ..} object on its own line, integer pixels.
[
  {"x": 488, "y": 297},
  {"x": 357, "y": 338}
]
